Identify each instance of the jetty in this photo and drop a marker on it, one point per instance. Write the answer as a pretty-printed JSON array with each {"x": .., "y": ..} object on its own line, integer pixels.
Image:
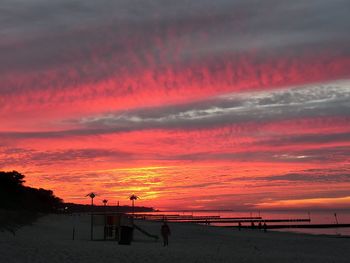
[
  {"x": 300, "y": 226},
  {"x": 239, "y": 222}
]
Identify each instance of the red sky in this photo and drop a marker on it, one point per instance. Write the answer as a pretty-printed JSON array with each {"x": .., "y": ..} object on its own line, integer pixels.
[{"x": 218, "y": 104}]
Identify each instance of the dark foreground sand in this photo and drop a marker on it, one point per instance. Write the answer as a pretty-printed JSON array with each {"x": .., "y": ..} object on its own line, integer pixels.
[{"x": 50, "y": 240}]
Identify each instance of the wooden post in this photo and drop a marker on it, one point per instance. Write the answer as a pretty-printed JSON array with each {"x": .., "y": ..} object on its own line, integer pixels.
[
  {"x": 336, "y": 219},
  {"x": 74, "y": 223}
]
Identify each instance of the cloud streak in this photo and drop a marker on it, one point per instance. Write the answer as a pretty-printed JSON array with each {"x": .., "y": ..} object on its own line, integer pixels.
[{"x": 327, "y": 100}]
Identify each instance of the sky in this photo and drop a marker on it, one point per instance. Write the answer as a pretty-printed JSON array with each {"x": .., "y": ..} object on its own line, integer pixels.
[{"x": 189, "y": 104}]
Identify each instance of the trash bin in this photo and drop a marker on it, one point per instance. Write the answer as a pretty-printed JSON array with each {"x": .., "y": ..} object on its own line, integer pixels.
[{"x": 125, "y": 236}]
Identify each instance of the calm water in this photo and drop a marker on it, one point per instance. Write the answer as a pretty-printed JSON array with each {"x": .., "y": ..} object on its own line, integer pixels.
[{"x": 317, "y": 217}]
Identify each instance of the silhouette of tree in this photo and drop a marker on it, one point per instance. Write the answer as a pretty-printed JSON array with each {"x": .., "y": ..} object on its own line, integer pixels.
[
  {"x": 11, "y": 179},
  {"x": 133, "y": 197},
  {"x": 14, "y": 195}
]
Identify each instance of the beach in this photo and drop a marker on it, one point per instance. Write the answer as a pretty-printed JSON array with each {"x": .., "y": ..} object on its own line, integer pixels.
[{"x": 50, "y": 240}]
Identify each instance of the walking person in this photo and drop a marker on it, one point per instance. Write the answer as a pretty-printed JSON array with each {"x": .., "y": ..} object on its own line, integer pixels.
[
  {"x": 265, "y": 227},
  {"x": 165, "y": 231}
]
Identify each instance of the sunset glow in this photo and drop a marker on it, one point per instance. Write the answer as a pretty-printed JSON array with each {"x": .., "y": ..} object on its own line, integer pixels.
[{"x": 187, "y": 104}]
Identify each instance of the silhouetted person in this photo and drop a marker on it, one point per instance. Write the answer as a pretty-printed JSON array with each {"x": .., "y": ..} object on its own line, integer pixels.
[
  {"x": 165, "y": 231},
  {"x": 265, "y": 227},
  {"x": 239, "y": 226},
  {"x": 259, "y": 225},
  {"x": 252, "y": 225}
]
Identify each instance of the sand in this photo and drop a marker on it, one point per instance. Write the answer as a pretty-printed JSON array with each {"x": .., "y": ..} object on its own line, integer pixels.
[{"x": 50, "y": 240}]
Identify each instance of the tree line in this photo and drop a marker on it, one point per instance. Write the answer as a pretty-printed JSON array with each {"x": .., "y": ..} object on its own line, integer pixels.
[{"x": 15, "y": 196}]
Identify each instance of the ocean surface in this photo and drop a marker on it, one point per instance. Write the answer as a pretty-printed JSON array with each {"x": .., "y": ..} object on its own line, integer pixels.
[{"x": 316, "y": 217}]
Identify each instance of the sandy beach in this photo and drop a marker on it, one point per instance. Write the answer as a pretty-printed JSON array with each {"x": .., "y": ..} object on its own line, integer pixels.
[{"x": 50, "y": 240}]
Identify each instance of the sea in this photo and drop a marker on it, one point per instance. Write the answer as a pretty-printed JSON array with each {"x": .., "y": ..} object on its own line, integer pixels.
[{"x": 316, "y": 217}]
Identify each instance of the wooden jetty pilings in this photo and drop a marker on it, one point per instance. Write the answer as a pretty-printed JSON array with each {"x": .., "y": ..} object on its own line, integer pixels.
[
  {"x": 212, "y": 219},
  {"x": 300, "y": 226},
  {"x": 202, "y": 219},
  {"x": 215, "y": 219},
  {"x": 170, "y": 217},
  {"x": 240, "y": 220}
]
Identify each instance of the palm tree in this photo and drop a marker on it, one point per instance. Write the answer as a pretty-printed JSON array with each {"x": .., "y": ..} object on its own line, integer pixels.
[
  {"x": 133, "y": 197},
  {"x": 92, "y": 196}
]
